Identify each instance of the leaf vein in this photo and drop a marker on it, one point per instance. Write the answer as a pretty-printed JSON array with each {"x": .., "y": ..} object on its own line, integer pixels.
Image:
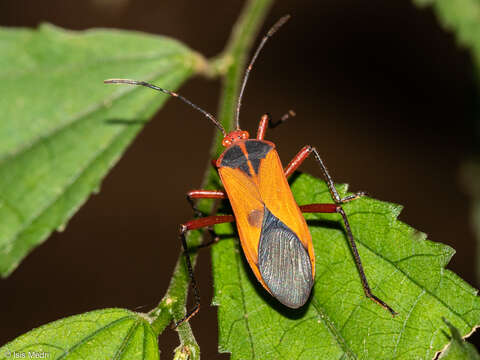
[
  {"x": 75, "y": 119},
  {"x": 242, "y": 292},
  {"x": 333, "y": 331},
  {"x": 96, "y": 332},
  {"x": 379, "y": 255},
  {"x": 402, "y": 331},
  {"x": 82, "y": 171},
  {"x": 126, "y": 340}
]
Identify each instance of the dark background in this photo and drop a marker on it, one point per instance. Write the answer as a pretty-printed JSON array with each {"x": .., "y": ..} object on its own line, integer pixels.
[{"x": 379, "y": 88}]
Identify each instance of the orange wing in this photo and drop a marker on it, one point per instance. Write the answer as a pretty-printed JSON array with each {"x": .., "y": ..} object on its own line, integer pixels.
[
  {"x": 248, "y": 195},
  {"x": 278, "y": 198},
  {"x": 247, "y": 206}
]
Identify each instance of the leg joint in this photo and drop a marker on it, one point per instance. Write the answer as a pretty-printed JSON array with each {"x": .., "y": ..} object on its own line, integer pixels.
[
  {"x": 183, "y": 229},
  {"x": 308, "y": 148}
]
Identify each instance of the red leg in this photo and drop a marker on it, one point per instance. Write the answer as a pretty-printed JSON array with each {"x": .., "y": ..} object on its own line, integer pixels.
[
  {"x": 204, "y": 194},
  {"x": 331, "y": 208},
  {"x": 297, "y": 160},
  {"x": 337, "y": 207},
  {"x": 300, "y": 158},
  {"x": 262, "y": 126},
  {"x": 192, "y": 225},
  {"x": 266, "y": 120},
  {"x": 318, "y": 208},
  {"x": 204, "y": 222}
]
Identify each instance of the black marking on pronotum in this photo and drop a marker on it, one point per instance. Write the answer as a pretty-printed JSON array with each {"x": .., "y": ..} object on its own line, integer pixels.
[
  {"x": 257, "y": 150},
  {"x": 284, "y": 263},
  {"x": 236, "y": 159}
]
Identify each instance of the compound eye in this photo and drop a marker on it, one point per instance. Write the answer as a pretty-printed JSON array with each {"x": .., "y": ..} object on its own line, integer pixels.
[{"x": 226, "y": 142}]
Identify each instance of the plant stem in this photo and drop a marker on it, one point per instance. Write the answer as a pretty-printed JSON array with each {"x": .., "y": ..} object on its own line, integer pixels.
[
  {"x": 230, "y": 65},
  {"x": 235, "y": 55}
]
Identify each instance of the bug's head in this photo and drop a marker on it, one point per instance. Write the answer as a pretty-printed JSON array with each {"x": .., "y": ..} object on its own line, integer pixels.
[{"x": 233, "y": 136}]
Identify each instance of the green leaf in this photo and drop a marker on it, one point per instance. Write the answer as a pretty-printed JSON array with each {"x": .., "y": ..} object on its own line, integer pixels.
[
  {"x": 62, "y": 129},
  {"x": 339, "y": 322},
  {"x": 97, "y": 335},
  {"x": 458, "y": 349},
  {"x": 462, "y": 17}
]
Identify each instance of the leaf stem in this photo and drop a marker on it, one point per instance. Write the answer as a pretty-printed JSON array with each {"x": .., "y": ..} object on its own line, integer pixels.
[
  {"x": 235, "y": 56},
  {"x": 230, "y": 66}
]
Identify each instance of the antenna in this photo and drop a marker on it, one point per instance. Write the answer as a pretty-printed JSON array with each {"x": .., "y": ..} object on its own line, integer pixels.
[
  {"x": 174, "y": 94},
  {"x": 270, "y": 33}
]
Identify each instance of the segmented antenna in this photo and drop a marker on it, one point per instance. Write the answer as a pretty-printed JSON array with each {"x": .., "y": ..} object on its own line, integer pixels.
[
  {"x": 270, "y": 33},
  {"x": 174, "y": 94}
]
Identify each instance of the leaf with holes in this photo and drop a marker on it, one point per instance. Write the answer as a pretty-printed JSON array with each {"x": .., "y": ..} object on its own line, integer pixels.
[
  {"x": 339, "y": 322},
  {"x": 102, "y": 334},
  {"x": 62, "y": 129}
]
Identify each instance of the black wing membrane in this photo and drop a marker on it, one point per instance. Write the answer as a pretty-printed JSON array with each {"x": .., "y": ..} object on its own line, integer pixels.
[
  {"x": 235, "y": 159},
  {"x": 284, "y": 263},
  {"x": 257, "y": 150}
]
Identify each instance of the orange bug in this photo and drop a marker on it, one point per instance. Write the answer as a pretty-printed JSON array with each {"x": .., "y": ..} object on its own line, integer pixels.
[{"x": 273, "y": 232}]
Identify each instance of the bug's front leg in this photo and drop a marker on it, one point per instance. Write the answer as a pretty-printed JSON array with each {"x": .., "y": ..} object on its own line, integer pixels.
[
  {"x": 266, "y": 120},
  {"x": 184, "y": 228},
  {"x": 337, "y": 207}
]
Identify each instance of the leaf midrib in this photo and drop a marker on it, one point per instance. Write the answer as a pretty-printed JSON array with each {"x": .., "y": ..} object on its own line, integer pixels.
[
  {"x": 98, "y": 331},
  {"x": 74, "y": 179},
  {"x": 78, "y": 117},
  {"x": 66, "y": 68}
]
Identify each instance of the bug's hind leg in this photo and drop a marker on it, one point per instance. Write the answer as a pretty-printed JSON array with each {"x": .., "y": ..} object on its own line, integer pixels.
[
  {"x": 334, "y": 208},
  {"x": 337, "y": 207}
]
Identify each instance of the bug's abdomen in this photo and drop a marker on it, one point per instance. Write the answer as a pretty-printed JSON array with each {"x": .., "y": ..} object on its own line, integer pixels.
[{"x": 284, "y": 262}]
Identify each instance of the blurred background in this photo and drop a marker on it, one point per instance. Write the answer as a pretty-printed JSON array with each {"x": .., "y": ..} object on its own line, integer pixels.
[{"x": 384, "y": 93}]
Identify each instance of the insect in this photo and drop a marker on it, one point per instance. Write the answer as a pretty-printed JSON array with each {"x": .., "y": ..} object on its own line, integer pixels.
[{"x": 273, "y": 232}]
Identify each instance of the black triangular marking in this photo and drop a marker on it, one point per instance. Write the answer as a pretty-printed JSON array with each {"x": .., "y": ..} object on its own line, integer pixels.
[
  {"x": 235, "y": 159},
  {"x": 257, "y": 150}
]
